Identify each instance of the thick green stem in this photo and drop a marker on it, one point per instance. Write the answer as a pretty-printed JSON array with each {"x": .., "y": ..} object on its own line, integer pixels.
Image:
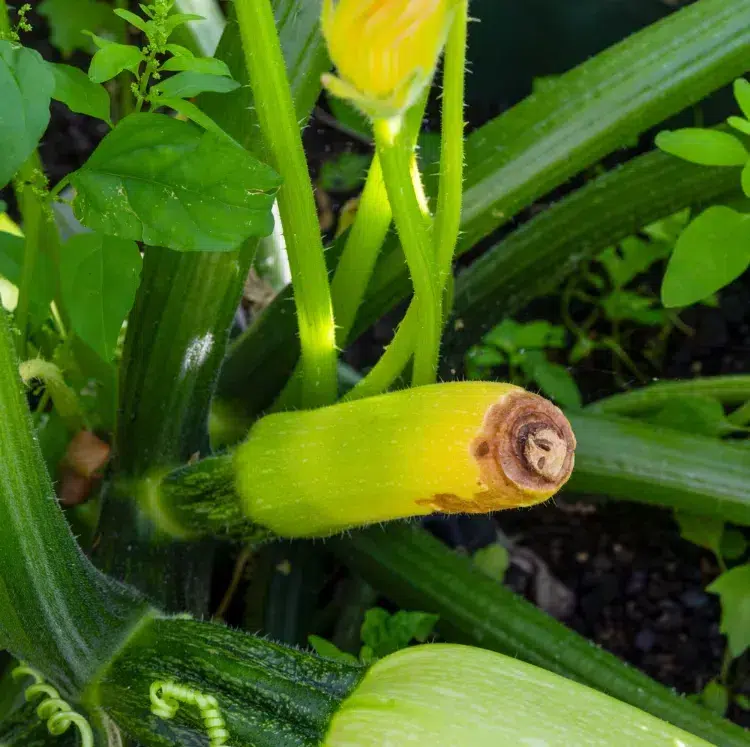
[
  {"x": 56, "y": 611},
  {"x": 395, "y": 160},
  {"x": 448, "y": 212},
  {"x": 416, "y": 571},
  {"x": 278, "y": 123}
]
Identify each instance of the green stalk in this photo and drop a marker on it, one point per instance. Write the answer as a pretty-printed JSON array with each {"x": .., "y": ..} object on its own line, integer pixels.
[
  {"x": 416, "y": 571},
  {"x": 729, "y": 390},
  {"x": 278, "y": 123},
  {"x": 541, "y": 143},
  {"x": 395, "y": 160},
  {"x": 56, "y": 611},
  {"x": 357, "y": 261},
  {"x": 448, "y": 212}
]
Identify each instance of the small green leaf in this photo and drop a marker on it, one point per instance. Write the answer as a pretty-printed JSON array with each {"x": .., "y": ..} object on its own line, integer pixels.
[
  {"x": 328, "y": 650},
  {"x": 624, "y": 305},
  {"x": 190, "y": 111},
  {"x": 99, "y": 276},
  {"x": 179, "y": 51},
  {"x": 582, "y": 349},
  {"x": 493, "y": 560},
  {"x": 177, "y": 19},
  {"x": 715, "y": 697},
  {"x": 553, "y": 379},
  {"x": 742, "y": 94},
  {"x": 185, "y": 85},
  {"x": 68, "y": 19},
  {"x": 630, "y": 258},
  {"x": 382, "y": 633},
  {"x": 26, "y": 85},
  {"x": 704, "y": 531},
  {"x": 111, "y": 60},
  {"x": 79, "y": 93},
  {"x": 510, "y": 335},
  {"x": 133, "y": 20},
  {"x": 733, "y": 588},
  {"x": 205, "y": 65},
  {"x": 739, "y": 124},
  {"x": 711, "y": 252},
  {"x": 488, "y": 357},
  {"x": 743, "y": 701},
  {"x": 187, "y": 189},
  {"x": 706, "y": 147},
  {"x": 694, "y": 414},
  {"x": 350, "y": 116}
]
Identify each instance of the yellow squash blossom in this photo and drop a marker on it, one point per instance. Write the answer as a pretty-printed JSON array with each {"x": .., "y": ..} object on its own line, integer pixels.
[{"x": 385, "y": 51}]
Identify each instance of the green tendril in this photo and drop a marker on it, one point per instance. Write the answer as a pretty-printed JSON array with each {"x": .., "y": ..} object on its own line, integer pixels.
[
  {"x": 166, "y": 698},
  {"x": 58, "y": 714}
]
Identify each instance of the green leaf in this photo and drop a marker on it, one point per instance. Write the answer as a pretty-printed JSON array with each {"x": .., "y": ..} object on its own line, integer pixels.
[
  {"x": 99, "y": 277},
  {"x": 187, "y": 189},
  {"x": 694, "y": 414},
  {"x": 112, "y": 59},
  {"x": 510, "y": 335},
  {"x": 68, "y": 18},
  {"x": 704, "y": 531},
  {"x": 26, "y": 85},
  {"x": 205, "y": 65},
  {"x": 712, "y": 251},
  {"x": 185, "y": 85},
  {"x": 743, "y": 701},
  {"x": 488, "y": 357},
  {"x": 631, "y": 257},
  {"x": 623, "y": 305},
  {"x": 733, "y": 588},
  {"x": 134, "y": 20},
  {"x": 742, "y": 95},
  {"x": 190, "y": 111},
  {"x": 739, "y": 124},
  {"x": 553, "y": 379},
  {"x": 177, "y": 19},
  {"x": 493, "y": 560},
  {"x": 715, "y": 697},
  {"x": 705, "y": 147},
  {"x": 79, "y": 93},
  {"x": 344, "y": 173},
  {"x": 383, "y": 633},
  {"x": 328, "y": 650}
]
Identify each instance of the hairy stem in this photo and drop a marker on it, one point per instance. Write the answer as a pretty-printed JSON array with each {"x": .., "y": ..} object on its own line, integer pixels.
[{"x": 278, "y": 123}]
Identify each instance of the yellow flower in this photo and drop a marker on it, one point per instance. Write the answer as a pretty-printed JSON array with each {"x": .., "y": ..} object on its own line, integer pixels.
[{"x": 385, "y": 51}]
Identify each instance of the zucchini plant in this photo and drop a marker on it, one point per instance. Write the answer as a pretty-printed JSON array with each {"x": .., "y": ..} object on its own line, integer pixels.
[{"x": 173, "y": 438}]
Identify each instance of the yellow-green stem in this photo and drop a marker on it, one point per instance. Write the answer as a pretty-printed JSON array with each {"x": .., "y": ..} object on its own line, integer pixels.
[
  {"x": 278, "y": 123},
  {"x": 448, "y": 213},
  {"x": 415, "y": 239}
]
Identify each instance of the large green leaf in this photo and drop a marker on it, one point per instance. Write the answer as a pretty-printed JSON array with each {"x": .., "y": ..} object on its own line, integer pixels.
[
  {"x": 69, "y": 18},
  {"x": 99, "y": 277},
  {"x": 167, "y": 183},
  {"x": 79, "y": 93},
  {"x": 706, "y": 147},
  {"x": 711, "y": 252},
  {"x": 26, "y": 85}
]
